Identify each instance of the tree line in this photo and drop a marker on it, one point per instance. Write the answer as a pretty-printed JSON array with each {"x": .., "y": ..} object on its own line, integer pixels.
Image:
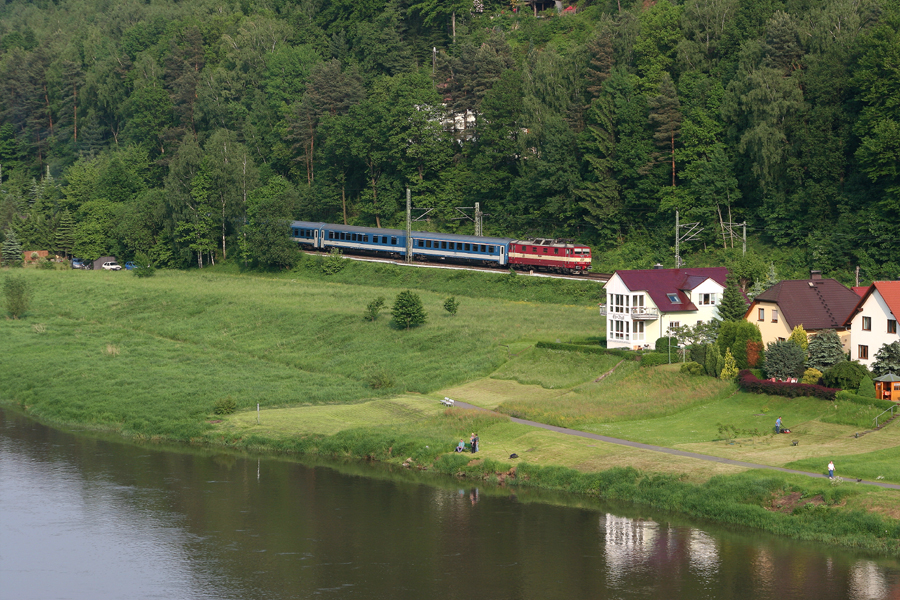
[{"x": 191, "y": 132}]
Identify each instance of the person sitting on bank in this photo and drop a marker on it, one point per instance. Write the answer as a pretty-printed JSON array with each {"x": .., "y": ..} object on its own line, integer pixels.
[{"x": 461, "y": 447}]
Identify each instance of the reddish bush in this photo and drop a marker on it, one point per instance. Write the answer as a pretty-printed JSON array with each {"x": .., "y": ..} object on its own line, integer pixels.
[
  {"x": 754, "y": 353},
  {"x": 750, "y": 383}
]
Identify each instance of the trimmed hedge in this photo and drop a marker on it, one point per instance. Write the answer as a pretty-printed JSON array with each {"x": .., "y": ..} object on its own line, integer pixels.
[
  {"x": 750, "y": 383},
  {"x": 589, "y": 349},
  {"x": 857, "y": 399},
  {"x": 651, "y": 359}
]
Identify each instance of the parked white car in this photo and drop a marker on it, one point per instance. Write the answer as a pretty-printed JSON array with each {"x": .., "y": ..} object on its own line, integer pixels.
[{"x": 111, "y": 266}]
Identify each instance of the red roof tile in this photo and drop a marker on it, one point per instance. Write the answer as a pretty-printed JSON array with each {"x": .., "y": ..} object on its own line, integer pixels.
[
  {"x": 890, "y": 291},
  {"x": 660, "y": 282}
]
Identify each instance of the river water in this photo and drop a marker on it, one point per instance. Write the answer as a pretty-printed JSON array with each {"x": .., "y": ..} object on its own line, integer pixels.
[{"x": 86, "y": 517}]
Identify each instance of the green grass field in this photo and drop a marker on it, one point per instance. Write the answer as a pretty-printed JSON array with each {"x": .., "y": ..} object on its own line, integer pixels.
[{"x": 151, "y": 357}]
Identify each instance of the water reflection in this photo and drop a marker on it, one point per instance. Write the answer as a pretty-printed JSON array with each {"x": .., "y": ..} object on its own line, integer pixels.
[{"x": 87, "y": 518}]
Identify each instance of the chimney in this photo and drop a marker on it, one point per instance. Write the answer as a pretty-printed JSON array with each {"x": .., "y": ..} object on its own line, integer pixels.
[
  {"x": 657, "y": 266},
  {"x": 815, "y": 274}
]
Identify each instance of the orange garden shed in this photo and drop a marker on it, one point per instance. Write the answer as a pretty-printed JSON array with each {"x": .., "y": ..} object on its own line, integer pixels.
[{"x": 887, "y": 387}]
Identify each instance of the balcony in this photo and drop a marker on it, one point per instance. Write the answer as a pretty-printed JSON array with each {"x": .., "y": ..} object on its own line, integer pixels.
[
  {"x": 603, "y": 312},
  {"x": 639, "y": 313}
]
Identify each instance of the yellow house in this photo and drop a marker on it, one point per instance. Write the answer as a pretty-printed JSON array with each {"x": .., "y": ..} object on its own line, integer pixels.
[{"x": 814, "y": 303}]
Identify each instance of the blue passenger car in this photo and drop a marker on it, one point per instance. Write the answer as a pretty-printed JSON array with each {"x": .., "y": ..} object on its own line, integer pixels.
[
  {"x": 387, "y": 242},
  {"x": 307, "y": 234},
  {"x": 488, "y": 251}
]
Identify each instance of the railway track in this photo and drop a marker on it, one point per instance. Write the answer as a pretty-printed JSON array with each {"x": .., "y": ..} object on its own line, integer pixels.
[{"x": 595, "y": 277}]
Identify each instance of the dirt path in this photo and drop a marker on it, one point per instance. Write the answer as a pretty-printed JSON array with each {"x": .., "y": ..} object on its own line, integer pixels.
[{"x": 695, "y": 455}]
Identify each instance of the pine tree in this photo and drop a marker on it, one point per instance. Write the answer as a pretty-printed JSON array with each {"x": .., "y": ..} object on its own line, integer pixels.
[
  {"x": 887, "y": 360},
  {"x": 11, "y": 251},
  {"x": 825, "y": 350},
  {"x": 785, "y": 359},
  {"x": 65, "y": 233},
  {"x": 712, "y": 360},
  {"x": 408, "y": 311},
  {"x": 733, "y": 306}
]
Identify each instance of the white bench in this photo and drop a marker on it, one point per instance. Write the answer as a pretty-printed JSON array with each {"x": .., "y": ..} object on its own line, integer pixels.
[{"x": 447, "y": 401}]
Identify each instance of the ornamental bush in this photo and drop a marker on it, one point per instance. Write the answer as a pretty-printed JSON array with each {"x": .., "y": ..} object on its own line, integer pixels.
[
  {"x": 825, "y": 350},
  {"x": 811, "y": 376},
  {"x": 692, "y": 368},
  {"x": 845, "y": 375},
  {"x": 784, "y": 360},
  {"x": 748, "y": 382}
]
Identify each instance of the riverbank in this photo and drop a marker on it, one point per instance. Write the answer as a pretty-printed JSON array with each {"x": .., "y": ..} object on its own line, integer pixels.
[{"x": 151, "y": 358}]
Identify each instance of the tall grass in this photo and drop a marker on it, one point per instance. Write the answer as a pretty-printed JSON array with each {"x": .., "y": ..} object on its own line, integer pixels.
[
  {"x": 151, "y": 356},
  {"x": 630, "y": 393},
  {"x": 556, "y": 369}
]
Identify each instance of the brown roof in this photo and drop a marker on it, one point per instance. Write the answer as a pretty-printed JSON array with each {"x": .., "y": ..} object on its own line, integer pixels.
[{"x": 813, "y": 303}]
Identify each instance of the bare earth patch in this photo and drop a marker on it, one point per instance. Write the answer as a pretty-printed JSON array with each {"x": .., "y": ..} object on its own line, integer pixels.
[{"x": 786, "y": 503}]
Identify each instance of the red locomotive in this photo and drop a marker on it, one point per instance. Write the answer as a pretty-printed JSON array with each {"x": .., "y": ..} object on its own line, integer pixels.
[{"x": 560, "y": 256}]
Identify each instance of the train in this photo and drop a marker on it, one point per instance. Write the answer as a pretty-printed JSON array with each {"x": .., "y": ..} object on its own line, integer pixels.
[{"x": 539, "y": 254}]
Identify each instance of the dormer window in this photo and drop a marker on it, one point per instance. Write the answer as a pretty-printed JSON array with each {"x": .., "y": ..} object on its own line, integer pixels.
[{"x": 673, "y": 298}]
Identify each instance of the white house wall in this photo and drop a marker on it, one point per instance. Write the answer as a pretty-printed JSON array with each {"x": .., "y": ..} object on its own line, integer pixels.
[
  {"x": 876, "y": 308},
  {"x": 654, "y": 329}
]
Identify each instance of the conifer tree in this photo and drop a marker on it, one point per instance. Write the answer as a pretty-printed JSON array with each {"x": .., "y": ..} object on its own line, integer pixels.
[
  {"x": 887, "y": 360},
  {"x": 712, "y": 360},
  {"x": 65, "y": 233},
  {"x": 825, "y": 350},
  {"x": 11, "y": 251},
  {"x": 408, "y": 311},
  {"x": 729, "y": 369},
  {"x": 799, "y": 337},
  {"x": 733, "y": 306}
]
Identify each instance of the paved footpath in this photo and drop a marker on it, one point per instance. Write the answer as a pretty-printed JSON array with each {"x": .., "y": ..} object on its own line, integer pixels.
[{"x": 718, "y": 459}]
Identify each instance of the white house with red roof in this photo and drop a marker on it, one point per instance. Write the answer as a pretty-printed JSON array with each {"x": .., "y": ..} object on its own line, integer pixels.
[
  {"x": 642, "y": 305},
  {"x": 874, "y": 321}
]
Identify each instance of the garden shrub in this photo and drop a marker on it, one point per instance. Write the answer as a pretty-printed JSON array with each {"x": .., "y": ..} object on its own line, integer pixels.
[
  {"x": 825, "y": 350},
  {"x": 811, "y": 376},
  {"x": 784, "y": 360},
  {"x": 748, "y": 382},
  {"x": 664, "y": 344},
  {"x": 729, "y": 370},
  {"x": 651, "y": 359},
  {"x": 693, "y": 368},
  {"x": 845, "y": 375},
  {"x": 698, "y": 353},
  {"x": 866, "y": 387}
]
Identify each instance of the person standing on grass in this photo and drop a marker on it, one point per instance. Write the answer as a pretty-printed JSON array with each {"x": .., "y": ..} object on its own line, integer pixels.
[
  {"x": 475, "y": 443},
  {"x": 778, "y": 425},
  {"x": 831, "y": 469}
]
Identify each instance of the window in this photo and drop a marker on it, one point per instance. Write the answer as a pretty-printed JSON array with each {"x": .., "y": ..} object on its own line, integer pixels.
[
  {"x": 491, "y": 249},
  {"x": 867, "y": 324},
  {"x": 781, "y": 339},
  {"x": 466, "y": 247},
  {"x": 620, "y": 330},
  {"x": 708, "y": 299},
  {"x": 862, "y": 352},
  {"x": 421, "y": 243},
  {"x": 618, "y": 303},
  {"x": 762, "y": 315},
  {"x": 483, "y": 248},
  {"x": 393, "y": 241},
  {"x": 774, "y": 315},
  {"x": 639, "y": 331},
  {"x": 673, "y": 298},
  {"x": 674, "y": 325},
  {"x": 443, "y": 245},
  {"x": 892, "y": 326},
  {"x": 637, "y": 301}
]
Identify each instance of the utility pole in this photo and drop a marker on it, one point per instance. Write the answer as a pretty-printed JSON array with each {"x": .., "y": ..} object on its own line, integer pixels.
[
  {"x": 745, "y": 237},
  {"x": 478, "y": 214},
  {"x": 408, "y": 225},
  {"x": 693, "y": 229}
]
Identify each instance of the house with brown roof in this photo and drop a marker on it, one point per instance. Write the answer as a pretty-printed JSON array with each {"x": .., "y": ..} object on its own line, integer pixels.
[
  {"x": 642, "y": 305},
  {"x": 813, "y": 303},
  {"x": 873, "y": 320}
]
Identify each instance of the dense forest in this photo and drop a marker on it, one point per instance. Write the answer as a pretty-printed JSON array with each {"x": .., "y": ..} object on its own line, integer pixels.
[{"x": 189, "y": 132}]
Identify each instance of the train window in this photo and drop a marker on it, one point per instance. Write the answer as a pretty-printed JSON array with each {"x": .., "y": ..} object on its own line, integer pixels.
[
  {"x": 483, "y": 248},
  {"x": 384, "y": 239},
  {"x": 452, "y": 245},
  {"x": 443, "y": 245},
  {"x": 556, "y": 251},
  {"x": 466, "y": 247},
  {"x": 545, "y": 251},
  {"x": 421, "y": 243},
  {"x": 428, "y": 243},
  {"x": 366, "y": 237},
  {"x": 393, "y": 240},
  {"x": 491, "y": 249}
]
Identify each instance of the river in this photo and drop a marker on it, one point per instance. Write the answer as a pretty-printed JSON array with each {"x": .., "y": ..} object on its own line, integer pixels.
[{"x": 88, "y": 517}]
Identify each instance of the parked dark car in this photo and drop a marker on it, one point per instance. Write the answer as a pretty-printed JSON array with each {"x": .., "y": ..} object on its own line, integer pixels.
[{"x": 80, "y": 263}]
